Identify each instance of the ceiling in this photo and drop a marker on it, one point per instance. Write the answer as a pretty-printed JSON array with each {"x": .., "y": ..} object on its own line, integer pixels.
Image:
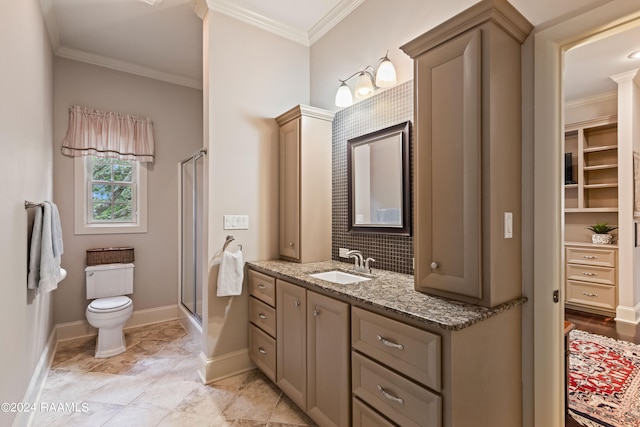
[{"x": 165, "y": 41}]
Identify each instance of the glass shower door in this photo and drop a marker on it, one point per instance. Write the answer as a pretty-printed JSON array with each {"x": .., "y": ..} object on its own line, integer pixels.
[{"x": 191, "y": 240}]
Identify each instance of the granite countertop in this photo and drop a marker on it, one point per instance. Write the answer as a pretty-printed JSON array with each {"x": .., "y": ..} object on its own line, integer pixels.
[{"x": 389, "y": 291}]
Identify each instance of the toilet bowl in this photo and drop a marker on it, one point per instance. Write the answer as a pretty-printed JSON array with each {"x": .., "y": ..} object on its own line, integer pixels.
[
  {"x": 110, "y": 309},
  {"x": 109, "y": 315}
]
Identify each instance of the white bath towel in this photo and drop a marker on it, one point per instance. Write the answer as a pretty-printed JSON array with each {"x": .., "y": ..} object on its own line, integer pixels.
[
  {"x": 46, "y": 248},
  {"x": 230, "y": 274}
]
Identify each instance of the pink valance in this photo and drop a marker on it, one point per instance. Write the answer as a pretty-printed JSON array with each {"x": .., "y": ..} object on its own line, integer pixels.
[{"x": 93, "y": 132}]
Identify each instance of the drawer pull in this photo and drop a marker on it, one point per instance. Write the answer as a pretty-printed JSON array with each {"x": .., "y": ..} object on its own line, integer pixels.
[
  {"x": 390, "y": 396},
  {"x": 262, "y": 316},
  {"x": 590, "y": 257},
  {"x": 390, "y": 343},
  {"x": 586, "y": 273},
  {"x": 262, "y": 350},
  {"x": 589, "y": 294},
  {"x": 262, "y": 287}
]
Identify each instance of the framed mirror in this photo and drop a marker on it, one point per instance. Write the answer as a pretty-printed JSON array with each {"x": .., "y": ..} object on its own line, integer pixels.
[{"x": 379, "y": 181}]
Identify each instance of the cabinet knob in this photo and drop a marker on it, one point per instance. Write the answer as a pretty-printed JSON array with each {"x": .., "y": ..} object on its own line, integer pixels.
[
  {"x": 434, "y": 265},
  {"x": 296, "y": 303},
  {"x": 292, "y": 245},
  {"x": 316, "y": 312}
]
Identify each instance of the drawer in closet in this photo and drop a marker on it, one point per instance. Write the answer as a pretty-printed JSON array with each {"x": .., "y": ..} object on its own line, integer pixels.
[
  {"x": 406, "y": 349},
  {"x": 263, "y": 316},
  {"x": 591, "y": 256},
  {"x": 593, "y": 294},
  {"x": 262, "y": 350},
  {"x": 394, "y": 396},
  {"x": 588, "y": 273},
  {"x": 262, "y": 287}
]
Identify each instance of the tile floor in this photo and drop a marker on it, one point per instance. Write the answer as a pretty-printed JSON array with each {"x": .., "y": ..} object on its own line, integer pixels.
[{"x": 154, "y": 383}]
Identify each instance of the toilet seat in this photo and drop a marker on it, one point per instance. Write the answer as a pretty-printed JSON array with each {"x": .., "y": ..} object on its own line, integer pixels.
[{"x": 108, "y": 305}]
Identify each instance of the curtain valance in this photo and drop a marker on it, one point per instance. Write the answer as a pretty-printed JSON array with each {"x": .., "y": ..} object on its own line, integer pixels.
[{"x": 93, "y": 132}]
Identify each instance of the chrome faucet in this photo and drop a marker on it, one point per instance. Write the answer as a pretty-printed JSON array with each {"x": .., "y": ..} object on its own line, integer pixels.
[{"x": 360, "y": 264}]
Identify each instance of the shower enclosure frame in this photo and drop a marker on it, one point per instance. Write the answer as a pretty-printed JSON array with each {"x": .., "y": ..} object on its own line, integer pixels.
[{"x": 191, "y": 230}]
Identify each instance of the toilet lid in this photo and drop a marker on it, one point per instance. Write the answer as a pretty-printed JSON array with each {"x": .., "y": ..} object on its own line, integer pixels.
[{"x": 107, "y": 304}]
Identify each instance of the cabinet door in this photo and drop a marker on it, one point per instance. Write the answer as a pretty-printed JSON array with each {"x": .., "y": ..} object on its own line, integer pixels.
[
  {"x": 328, "y": 374},
  {"x": 448, "y": 169},
  {"x": 291, "y": 372},
  {"x": 290, "y": 190}
]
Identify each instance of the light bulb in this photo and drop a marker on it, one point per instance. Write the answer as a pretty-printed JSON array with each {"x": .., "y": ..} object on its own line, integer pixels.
[
  {"x": 343, "y": 96},
  {"x": 386, "y": 74},
  {"x": 364, "y": 85}
]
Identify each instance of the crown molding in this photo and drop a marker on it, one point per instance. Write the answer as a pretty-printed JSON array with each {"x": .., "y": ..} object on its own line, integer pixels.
[
  {"x": 249, "y": 17},
  {"x": 333, "y": 18},
  {"x": 330, "y": 20},
  {"x": 126, "y": 67},
  {"x": 50, "y": 22},
  {"x": 593, "y": 99}
]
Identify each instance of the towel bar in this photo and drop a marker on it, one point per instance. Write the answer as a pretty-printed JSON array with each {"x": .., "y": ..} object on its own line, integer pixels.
[{"x": 28, "y": 204}]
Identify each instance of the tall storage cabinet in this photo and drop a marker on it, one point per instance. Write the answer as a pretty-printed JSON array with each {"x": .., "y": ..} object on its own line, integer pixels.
[
  {"x": 467, "y": 172},
  {"x": 305, "y": 184}
]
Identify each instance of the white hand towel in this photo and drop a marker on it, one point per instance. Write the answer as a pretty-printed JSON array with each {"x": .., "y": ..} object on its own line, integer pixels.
[
  {"x": 230, "y": 274},
  {"x": 50, "y": 273}
]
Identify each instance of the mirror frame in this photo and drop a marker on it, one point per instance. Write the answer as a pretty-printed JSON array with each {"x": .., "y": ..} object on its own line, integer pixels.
[{"x": 405, "y": 228}]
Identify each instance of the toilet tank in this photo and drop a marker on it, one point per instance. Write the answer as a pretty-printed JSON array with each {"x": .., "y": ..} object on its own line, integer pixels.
[{"x": 109, "y": 280}]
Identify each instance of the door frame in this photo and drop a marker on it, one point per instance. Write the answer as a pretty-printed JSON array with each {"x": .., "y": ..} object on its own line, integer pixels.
[{"x": 549, "y": 44}]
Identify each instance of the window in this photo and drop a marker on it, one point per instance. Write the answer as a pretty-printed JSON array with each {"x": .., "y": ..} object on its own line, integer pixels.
[{"x": 110, "y": 195}]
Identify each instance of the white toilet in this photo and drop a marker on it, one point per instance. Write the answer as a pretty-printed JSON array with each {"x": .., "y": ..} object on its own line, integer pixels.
[{"x": 107, "y": 285}]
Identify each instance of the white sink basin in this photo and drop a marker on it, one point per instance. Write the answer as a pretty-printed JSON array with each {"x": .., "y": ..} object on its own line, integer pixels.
[{"x": 339, "y": 277}]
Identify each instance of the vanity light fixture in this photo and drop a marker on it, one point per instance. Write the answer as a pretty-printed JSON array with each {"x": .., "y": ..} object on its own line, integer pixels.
[
  {"x": 635, "y": 55},
  {"x": 383, "y": 76}
]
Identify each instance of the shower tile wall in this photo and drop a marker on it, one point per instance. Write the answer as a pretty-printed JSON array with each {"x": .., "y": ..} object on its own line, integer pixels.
[{"x": 393, "y": 106}]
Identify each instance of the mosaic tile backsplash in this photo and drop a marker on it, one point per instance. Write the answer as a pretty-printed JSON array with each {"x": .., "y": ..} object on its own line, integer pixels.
[{"x": 388, "y": 108}]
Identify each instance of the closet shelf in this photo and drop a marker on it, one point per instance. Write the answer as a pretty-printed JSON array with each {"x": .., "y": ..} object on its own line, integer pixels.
[
  {"x": 600, "y": 167},
  {"x": 600, "y": 148}
]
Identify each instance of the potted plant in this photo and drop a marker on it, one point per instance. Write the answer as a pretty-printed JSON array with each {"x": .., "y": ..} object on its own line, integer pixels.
[{"x": 601, "y": 234}]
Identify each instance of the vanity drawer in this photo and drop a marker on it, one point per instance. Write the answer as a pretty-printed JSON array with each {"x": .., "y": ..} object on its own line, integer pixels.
[
  {"x": 364, "y": 416},
  {"x": 262, "y": 350},
  {"x": 399, "y": 399},
  {"x": 262, "y": 287},
  {"x": 588, "y": 273},
  {"x": 593, "y": 294},
  {"x": 263, "y": 316},
  {"x": 408, "y": 350},
  {"x": 591, "y": 256}
]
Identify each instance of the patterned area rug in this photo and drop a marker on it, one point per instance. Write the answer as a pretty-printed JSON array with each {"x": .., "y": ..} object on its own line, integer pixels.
[{"x": 604, "y": 381}]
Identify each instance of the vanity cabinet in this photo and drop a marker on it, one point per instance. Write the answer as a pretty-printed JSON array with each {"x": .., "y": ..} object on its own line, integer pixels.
[
  {"x": 313, "y": 353},
  {"x": 467, "y": 171},
  {"x": 305, "y": 184},
  {"x": 262, "y": 322},
  {"x": 591, "y": 278},
  {"x": 346, "y": 362}
]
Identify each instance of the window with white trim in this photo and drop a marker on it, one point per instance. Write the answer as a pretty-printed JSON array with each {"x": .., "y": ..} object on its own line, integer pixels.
[{"x": 110, "y": 195}]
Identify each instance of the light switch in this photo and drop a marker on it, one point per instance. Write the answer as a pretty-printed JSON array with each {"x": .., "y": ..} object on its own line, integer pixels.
[
  {"x": 508, "y": 225},
  {"x": 236, "y": 222}
]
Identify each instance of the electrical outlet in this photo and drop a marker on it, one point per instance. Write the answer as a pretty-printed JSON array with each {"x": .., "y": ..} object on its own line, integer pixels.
[{"x": 342, "y": 252}]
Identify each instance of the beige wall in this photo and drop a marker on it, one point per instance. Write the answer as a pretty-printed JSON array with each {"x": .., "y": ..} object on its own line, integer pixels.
[
  {"x": 253, "y": 76},
  {"x": 177, "y": 115},
  {"x": 366, "y": 34},
  {"x": 26, "y": 318}
]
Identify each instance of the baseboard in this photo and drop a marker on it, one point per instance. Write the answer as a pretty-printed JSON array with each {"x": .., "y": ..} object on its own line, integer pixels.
[
  {"x": 189, "y": 322},
  {"x": 36, "y": 385},
  {"x": 227, "y": 365},
  {"x": 81, "y": 328},
  {"x": 628, "y": 314}
]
